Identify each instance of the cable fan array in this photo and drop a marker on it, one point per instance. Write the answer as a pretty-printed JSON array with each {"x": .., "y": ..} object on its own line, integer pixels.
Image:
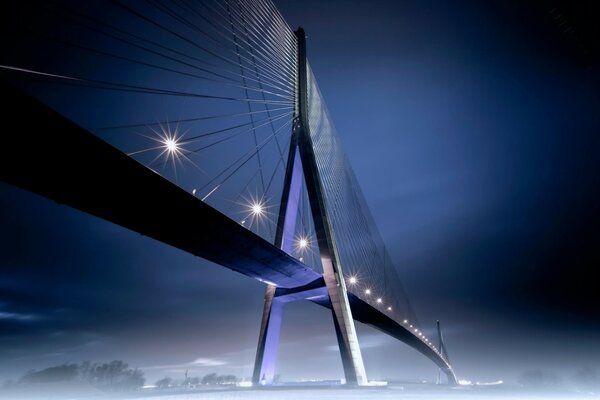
[{"x": 203, "y": 92}]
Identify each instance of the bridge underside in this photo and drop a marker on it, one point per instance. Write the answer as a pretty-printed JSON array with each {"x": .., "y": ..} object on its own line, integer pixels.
[
  {"x": 47, "y": 154},
  {"x": 369, "y": 315}
]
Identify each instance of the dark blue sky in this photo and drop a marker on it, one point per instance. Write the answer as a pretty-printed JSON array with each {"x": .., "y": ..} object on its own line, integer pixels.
[
  {"x": 473, "y": 130},
  {"x": 475, "y": 138}
]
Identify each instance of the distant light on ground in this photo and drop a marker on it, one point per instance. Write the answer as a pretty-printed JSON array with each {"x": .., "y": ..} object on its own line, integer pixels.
[
  {"x": 489, "y": 383},
  {"x": 377, "y": 383}
]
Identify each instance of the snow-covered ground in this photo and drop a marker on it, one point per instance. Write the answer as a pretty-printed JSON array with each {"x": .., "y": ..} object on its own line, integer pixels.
[
  {"x": 390, "y": 392},
  {"x": 408, "y": 392}
]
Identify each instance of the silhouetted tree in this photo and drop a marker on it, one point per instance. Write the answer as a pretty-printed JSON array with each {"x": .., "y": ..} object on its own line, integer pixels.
[
  {"x": 191, "y": 381},
  {"x": 214, "y": 379},
  {"x": 113, "y": 376},
  {"x": 133, "y": 379},
  {"x": 209, "y": 379},
  {"x": 226, "y": 379},
  {"x": 164, "y": 382}
]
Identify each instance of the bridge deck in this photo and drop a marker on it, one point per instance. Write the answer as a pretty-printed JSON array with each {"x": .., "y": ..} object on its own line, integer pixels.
[{"x": 118, "y": 189}]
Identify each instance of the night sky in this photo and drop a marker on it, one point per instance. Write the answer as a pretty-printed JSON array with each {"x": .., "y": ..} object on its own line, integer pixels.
[{"x": 473, "y": 130}]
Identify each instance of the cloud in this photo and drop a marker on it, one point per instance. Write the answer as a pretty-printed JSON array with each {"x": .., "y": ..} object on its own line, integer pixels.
[
  {"x": 17, "y": 317},
  {"x": 206, "y": 362},
  {"x": 198, "y": 362}
]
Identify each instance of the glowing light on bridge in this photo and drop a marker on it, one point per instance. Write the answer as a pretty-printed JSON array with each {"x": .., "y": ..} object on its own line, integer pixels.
[
  {"x": 171, "y": 144},
  {"x": 389, "y": 308},
  {"x": 405, "y": 321},
  {"x": 353, "y": 280},
  {"x": 302, "y": 244},
  {"x": 257, "y": 208},
  {"x": 379, "y": 300},
  {"x": 368, "y": 291}
]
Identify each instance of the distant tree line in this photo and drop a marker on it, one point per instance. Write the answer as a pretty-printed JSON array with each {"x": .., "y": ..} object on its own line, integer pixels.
[
  {"x": 193, "y": 382},
  {"x": 113, "y": 376}
]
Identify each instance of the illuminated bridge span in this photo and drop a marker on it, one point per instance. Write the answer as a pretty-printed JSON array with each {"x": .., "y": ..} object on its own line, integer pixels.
[{"x": 208, "y": 109}]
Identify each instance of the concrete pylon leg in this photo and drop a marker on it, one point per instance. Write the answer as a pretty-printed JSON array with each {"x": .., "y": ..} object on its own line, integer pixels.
[
  {"x": 268, "y": 340},
  {"x": 354, "y": 368},
  {"x": 302, "y": 163},
  {"x": 270, "y": 329}
]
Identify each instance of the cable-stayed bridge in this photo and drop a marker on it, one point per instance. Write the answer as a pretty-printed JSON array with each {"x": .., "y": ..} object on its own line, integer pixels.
[{"x": 200, "y": 123}]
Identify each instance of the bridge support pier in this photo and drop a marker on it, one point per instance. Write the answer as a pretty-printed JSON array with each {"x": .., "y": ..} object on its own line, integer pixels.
[
  {"x": 323, "y": 289},
  {"x": 302, "y": 163},
  {"x": 268, "y": 340},
  {"x": 354, "y": 369}
]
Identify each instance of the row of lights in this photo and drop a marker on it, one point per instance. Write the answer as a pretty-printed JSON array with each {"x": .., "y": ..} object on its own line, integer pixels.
[
  {"x": 353, "y": 280},
  {"x": 422, "y": 337},
  {"x": 258, "y": 208}
]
